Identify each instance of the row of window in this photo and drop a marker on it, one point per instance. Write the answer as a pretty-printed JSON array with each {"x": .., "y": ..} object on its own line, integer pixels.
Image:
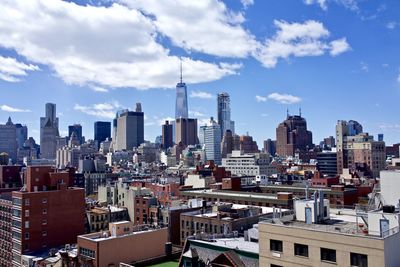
[{"x": 326, "y": 254}]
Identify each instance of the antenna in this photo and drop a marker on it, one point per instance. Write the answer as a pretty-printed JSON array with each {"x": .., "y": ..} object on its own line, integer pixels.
[
  {"x": 300, "y": 111},
  {"x": 287, "y": 112},
  {"x": 181, "y": 68}
]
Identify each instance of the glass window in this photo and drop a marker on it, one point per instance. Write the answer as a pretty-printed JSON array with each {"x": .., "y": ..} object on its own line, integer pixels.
[
  {"x": 359, "y": 260},
  {"x": 276, "y": 245},
  {"x": 300, "y": 250},
  {"x": 328, "y": 255}
]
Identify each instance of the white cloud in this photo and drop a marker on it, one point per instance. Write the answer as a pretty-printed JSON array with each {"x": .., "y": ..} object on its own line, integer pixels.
[
  {"x": 247, "y": 3},
  {"x": 200, "y": 94},
  {"x": 391, "y": 25},
  {"x": 364, "y": 66},
  {"x": 298, "y": 39},
  {"x": 11, "y": 69},
  {"x": 162, "y": 120},
  {"x": 339, "y": 46},
  {"x": 99, "y": 89},
  {"x": 284, "y": 98},
  {"x": 101, "y": 110},
  {"x": 206, "y": 26},
  {"x": 261, "y": 98},
  {"x": 321, "y": 3},
  {"x": 196, "y": 113},
  {"x": 12, "y": 109},
  {"x": 398, "y": 78},
  {"x": 112, "y": 46}
]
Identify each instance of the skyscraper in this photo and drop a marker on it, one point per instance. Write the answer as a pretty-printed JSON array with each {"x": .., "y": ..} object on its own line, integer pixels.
[
  {"x": 77, "y": 129},
  {"x": 181, "y": 105},
  {"x": 186, "y": 131},
  {"x": 229, "y": 143},
  {"x": 212, "y": 141},
  {"x": 22, "y": 134},
  {"x": 292, "y": 136},
  {"x": 49, "y": 132},
  {"x": 102, "y": 130},
  {"x": 8, "y": 139},
  {"x": 167, "y": 140},
  {"x": 130, "y": 129},
  {"x": 224, "y": 113}
]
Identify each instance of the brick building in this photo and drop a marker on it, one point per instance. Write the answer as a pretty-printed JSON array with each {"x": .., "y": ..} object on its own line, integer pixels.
[
  {"x": 47, "y": 213},
  {"x": 5, "y": 230}
]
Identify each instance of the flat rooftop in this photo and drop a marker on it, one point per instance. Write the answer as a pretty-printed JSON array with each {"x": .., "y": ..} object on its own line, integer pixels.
[
  {"x": 233, "y": 243},
  {"x": 210, "y": 192}
]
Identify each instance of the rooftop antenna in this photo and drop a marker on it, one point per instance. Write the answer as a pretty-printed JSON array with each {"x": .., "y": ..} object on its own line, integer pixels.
[
  {"x": 181, "y": 68},
  {"x": 300, "y": 111},
  {"x": 287, "y": 112}
]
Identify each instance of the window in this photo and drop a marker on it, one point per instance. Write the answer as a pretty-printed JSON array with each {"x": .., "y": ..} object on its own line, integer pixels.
[
  {"x": 27, "y": 202},
  {"x": 44, "y": 211},
  {"x": 300, "y": 250},
  {"x": 44, "y": 200},
  {"x": 359, "y": 260},
  {"x": 274, "y": 265},
  {"x": 27, "y": 224},
  {"x": 44, "y": 233},
  {"x": 26, "y": 213},
  {"x": 44, "y": 222},
  {"x": 276, "y": 245},
  {"x": 328, "y": 255},
  {"x": 26, "y": 235}
]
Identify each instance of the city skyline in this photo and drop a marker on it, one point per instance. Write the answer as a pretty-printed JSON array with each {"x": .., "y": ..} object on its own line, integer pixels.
[{"x": 324, "y": 64}]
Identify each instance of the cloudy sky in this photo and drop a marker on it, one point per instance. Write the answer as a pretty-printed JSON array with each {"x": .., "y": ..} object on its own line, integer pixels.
[{"x": 336, "y": 59}]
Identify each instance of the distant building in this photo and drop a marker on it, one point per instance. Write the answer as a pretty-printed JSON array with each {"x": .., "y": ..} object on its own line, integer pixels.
[
  {"x": 22, "y": 134},
  {"x": 292, "y": 136},
  {"x": 224, "y": 113},
  {"x": 130, "y": 130},
  {"x": 247, "y": 145},
  {"x": 167, "y": 135},
  {"x": 212, "y": 141},
  {"x": 270, "y": 147},
  {"x": 102, "y": 131},
  {"x": 8, "y": 139},
  {"x": 49, "y": 132},
  {"x": 77, "y": 129},
  {"x": 229, "y": 143},
  {"x": 327, "y": 163},
  {"x": 241, "y": 164},
  {"x": 186, "y": 131},
  {"x": 181, "y": 105}
]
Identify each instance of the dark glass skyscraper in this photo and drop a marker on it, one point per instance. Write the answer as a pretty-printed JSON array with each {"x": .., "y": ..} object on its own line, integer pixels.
[
  {"x": 77, "y": 129},
  {"x": 224, "y": 113},
  {"x": 102, "y": 130}
]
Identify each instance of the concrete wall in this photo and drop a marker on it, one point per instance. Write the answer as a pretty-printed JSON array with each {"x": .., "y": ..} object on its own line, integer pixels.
[{"x": 390, "y": 184}]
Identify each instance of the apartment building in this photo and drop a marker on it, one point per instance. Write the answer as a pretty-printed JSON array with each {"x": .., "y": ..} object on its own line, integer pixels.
[{"x": 252, "y": 164}]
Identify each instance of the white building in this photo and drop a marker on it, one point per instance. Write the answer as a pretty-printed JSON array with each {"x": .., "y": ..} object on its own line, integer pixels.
[
  {"x": 255, "y": 164},
  {"x": 212, "y": 140}
]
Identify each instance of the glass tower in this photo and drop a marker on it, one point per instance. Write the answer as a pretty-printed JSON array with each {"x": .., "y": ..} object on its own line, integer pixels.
[{"x": 181, "y": 107}]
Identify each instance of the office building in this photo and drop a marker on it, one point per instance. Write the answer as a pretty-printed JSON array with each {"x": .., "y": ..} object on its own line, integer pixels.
[
  {"x": 327, "y": 163},
  {"x": 102, "y": 131},
  {"x": 130, "y": 129},
  {"x": 270, "y": 147},
  {"x": 229, "y": 143},
  {"x": 49, "y": 132},
  {"x": 48, "y": 213},
  {"x": 292, "y": 136},
  {"x": 224, "y": 113},
  {"x": 167, "y": 135},
  {"x": 181, "y": 105},
  {"x": 77, "y": 129},
  {"x": 242, "y": 164},
  {"x": 8, "y": 140},
  {"x": 22, "y": 134},
  {"x": 248, "y": 145},
  {"x": 344, "y": 129},
  {"x": 212, "y": 140},
  {"x": 186, "y": 131}
]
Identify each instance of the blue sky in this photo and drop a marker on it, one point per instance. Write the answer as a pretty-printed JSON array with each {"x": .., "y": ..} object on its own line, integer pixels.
[{"x": 336, "y": 59}]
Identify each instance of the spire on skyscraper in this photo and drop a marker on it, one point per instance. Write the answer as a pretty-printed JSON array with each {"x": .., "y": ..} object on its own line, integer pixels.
[{"x": 181, "y": 68}]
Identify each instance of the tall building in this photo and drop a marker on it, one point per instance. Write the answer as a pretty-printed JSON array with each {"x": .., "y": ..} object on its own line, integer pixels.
[
  {"x": 292, "y": 136},
  {"x": 224, "y": 113},
  {"x": 102, "y": 131},
  {"x": 181, "y": 105},
  {"x": 8, "y": 139},
  {"x": 22, "y": 134},
  {"x": 186, "y": 131},
  {"x": 270, "y": 147},
  {"x": 343, "y": 130},
  {"x": 48, "y": 213},
  {"x": 130, "y": 129},
  {"x": 229, "y": 143},
  {"x": 49, "y": 132},
  {"x": 167, "y": 138},
  {"x": 77, "y": 129},
  {"x": 327, "y": 163},
  {"x": 212, "y": 141},
  {"x": 248, "y": 145}
]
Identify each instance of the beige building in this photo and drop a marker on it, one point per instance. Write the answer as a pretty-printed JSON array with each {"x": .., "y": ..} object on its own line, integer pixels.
[
  {"x": 121, "y": 244},
  {"x": 340, "y": 240}
]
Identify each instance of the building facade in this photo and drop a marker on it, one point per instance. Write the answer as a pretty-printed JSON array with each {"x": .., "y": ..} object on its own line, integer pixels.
[
  {"x": 241, "y": 164},
  {"x": 49, "y": 132},
  {"x": 186, "y": 131},
  {"x": 8, "y": 139},
  {"x": 102, "y": 131},
  {"x": 167, "y": 135},
  {"x": 212, "y": 141},
  {"x": 224, "y": 113},
  {"x": 130, "y": 130}
]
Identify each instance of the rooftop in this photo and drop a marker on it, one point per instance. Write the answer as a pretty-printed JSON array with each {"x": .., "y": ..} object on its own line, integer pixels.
[{"x": 234, "y": 243}]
